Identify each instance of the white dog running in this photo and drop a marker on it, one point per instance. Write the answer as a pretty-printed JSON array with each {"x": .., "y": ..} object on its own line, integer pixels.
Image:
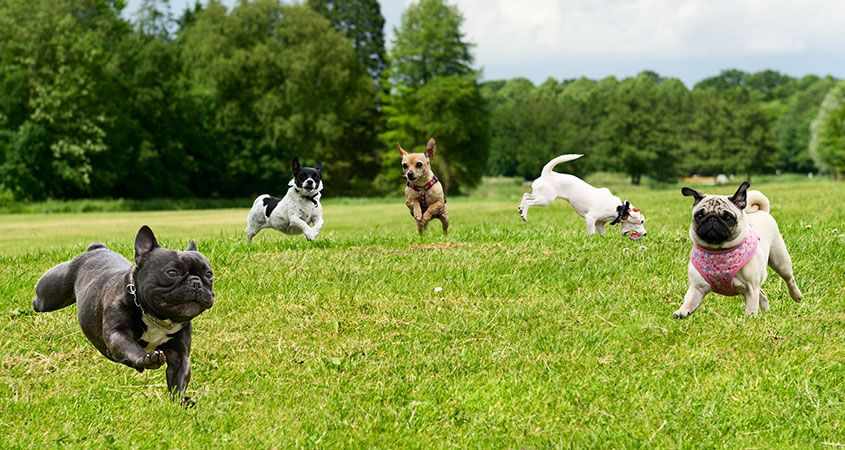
[
  {"x": 298, "y": 212},
  {"x": 597, "y": 206}
]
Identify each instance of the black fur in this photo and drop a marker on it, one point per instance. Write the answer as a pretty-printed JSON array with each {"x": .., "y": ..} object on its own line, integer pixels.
[
  {"x": 302, "y": 174},
  {"x": 270, "y": 204}
]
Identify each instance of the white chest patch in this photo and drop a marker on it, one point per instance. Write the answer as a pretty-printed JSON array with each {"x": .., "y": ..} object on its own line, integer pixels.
[{"x": 158, "y": 331}]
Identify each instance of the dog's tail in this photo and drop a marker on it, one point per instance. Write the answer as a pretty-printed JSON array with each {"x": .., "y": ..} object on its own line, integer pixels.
[
  {"x": 756, "y": 201},
  {"x": 550, "y": 166}
]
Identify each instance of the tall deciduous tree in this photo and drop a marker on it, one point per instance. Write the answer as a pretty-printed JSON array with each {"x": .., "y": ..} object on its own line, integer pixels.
[
  {"x": 278, "y": 82},
  {"x": 429, "y": 43},
  {"x": 827, "y": 146},
  {"x": 435, "y": 93},
  {"x": 360, "y": 21},
  {"x": 55, "y": 58}
]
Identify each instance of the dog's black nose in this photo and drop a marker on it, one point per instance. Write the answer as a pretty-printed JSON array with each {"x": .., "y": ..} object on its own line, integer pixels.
[
  {"x": 195, "y": 282},
  {"x": 410, "y": 175}
]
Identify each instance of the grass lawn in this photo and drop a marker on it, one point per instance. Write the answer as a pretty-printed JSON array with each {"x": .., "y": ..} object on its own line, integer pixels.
[{"x": 540, "y": 337}]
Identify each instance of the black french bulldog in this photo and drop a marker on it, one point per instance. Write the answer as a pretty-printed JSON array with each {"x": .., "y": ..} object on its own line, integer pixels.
[{"x": 141, "y": 316}]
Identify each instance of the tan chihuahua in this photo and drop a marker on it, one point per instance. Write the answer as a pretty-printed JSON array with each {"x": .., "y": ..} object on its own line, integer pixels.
[{"x": 424, "y": 194}]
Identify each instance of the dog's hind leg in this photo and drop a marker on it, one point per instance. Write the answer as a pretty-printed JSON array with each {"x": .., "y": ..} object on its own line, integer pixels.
[
  {"x": 55, "y": 288},
  {"x": 444, "y": 219},
  {"x": 781, "y": 262}
]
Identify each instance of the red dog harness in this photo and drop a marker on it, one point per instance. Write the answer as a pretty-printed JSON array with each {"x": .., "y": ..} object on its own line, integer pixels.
[
  {"x": 425, "y": 188},
  {"x": 719, "y": 267}
]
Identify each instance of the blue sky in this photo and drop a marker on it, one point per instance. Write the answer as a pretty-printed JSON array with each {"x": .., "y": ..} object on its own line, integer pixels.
[{"x": 688, "y": 39}]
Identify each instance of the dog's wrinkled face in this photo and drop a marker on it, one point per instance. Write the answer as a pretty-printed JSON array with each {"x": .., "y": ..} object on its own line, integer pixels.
[
  {"x": 307, "y": 178},
  {"x": 417, "y": 166},
  {"x": 634, "y": 225},
  {"x": 171, "y": 284},
  {"x": 717, "y": 219}
]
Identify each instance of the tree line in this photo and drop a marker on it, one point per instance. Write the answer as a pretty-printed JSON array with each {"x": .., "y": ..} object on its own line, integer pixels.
[{"x": 215, "y": 101}]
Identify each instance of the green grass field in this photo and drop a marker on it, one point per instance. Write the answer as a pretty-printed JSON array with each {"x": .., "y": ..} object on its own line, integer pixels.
[{"x": 540, "y": 337}]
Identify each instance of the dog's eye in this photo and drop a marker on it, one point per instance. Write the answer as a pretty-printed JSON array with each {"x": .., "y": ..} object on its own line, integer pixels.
[
  {"x": 419, "y": 164},
  {"x": 209, "y": 275},
  {"x": 699, "y": 214},
  {"x": 404, "y": 166},
  {"x": 172, "y": 273},
  {"x": 727, "y": 216}
]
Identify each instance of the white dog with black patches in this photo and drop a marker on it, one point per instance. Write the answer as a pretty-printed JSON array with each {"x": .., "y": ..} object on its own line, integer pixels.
[
  {"x": 299, "y": 212},
  {"x": 598, "y": 206}
]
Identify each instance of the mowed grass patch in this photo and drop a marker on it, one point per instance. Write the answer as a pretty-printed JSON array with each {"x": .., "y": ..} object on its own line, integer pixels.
[{"x": 503, "y": 334}]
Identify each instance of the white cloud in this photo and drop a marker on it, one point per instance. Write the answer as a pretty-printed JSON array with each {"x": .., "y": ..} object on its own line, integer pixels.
[{"x": 652, "y": 28}]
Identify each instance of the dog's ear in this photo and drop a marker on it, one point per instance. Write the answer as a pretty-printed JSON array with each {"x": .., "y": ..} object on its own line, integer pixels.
[
  {"x": 402, "y": 151},
  {"x": 295, "y": 165},
  {"x": 690, "y": 192},
  {"x": 145, "y": 242},
  {"x": 192, "y": 246},
  {"x": 319, "y": 167},
  {"x": 430, "y": 148},
  {"x": 741, "y": 195}
]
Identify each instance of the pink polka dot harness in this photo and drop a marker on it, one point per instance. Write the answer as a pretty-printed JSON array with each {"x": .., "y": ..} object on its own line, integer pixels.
[{"x": 719, "y": 267}]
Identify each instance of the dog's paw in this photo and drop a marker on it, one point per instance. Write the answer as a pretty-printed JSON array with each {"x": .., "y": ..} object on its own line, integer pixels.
[
  {"x": 310, "y": 234},
  {"x": 188, "y": 402},
  {"x": 680, "y": 314},
  {"x": 153, "y": 360}
]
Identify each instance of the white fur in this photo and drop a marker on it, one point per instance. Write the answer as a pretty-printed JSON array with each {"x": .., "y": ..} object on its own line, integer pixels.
[
  {"x": 771, "y": 251},
  {"x": 295, "y": 214},
  {"x": 596, "y": 205},
  {"x": 158, "y": 331}
]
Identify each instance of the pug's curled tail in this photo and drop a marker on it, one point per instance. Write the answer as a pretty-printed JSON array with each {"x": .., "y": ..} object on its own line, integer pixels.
[
  {"x": 756, "y": 201},
  {"x": 550, "y": 166}
]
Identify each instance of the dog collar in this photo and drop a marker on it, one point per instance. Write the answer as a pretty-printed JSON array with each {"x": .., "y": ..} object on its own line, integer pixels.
[
  {"x": 425, "y": 187},
  {"x": 313, "y": 198},
  {"x": 719, "y": 267},
  {"x": 131, "y": 290},
  {"x": 622, "y": 212}
]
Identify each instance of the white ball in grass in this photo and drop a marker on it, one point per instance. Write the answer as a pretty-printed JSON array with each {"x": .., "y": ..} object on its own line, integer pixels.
[{"x": 438, "y": 289}]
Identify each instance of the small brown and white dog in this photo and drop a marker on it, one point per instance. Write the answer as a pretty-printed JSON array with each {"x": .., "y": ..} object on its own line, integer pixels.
[
  {"x": 424, "y": 194},
  {"x": 734, "y": 239}
]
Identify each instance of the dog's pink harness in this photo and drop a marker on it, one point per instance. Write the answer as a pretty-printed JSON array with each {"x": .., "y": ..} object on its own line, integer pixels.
[{"x": 719, "y": 267}]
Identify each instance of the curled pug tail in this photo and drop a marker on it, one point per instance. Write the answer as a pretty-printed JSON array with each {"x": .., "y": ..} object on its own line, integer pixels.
[{"x": 756, "y": 201}]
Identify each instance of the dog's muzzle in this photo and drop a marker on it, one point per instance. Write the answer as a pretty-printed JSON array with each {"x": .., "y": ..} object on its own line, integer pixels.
[
  {"x": 713, "y": 230},
  {"x": 410, "y": 176}
]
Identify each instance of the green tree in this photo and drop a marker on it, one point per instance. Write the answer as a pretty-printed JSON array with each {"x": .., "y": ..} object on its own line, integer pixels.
[
  {"x": 277, "y": 82},
  {"x": 360, "y": 21},
  {"x": 435, "y": 93},
  {"x": 793, "y": 126},
  {"x": 429, "y": 43},
  {"x": 827, "y": 145},
  {"x": 56, "y": 59}
]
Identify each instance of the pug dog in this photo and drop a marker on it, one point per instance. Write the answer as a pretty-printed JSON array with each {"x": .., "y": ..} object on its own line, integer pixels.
[
  {"x": 734, "y": 239},
  {"x": 299, "y": 212},
  {"x": 424, "y": 194},
  {"x": 136, "y": 316}
]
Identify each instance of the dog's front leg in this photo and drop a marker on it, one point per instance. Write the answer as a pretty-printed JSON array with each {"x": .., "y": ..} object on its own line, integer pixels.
[
  {"x": 692, "y": 300},
  {"x": 125, "y": 350},
  {"x": 591, "y": 224},
  {"x": 178, "y": 354},
  {"x": 318, "y": 224},
  {"x": 309, "y": 232},
  {"x": 752, "y": 300},
  {"x": 416, "y": 209}
]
